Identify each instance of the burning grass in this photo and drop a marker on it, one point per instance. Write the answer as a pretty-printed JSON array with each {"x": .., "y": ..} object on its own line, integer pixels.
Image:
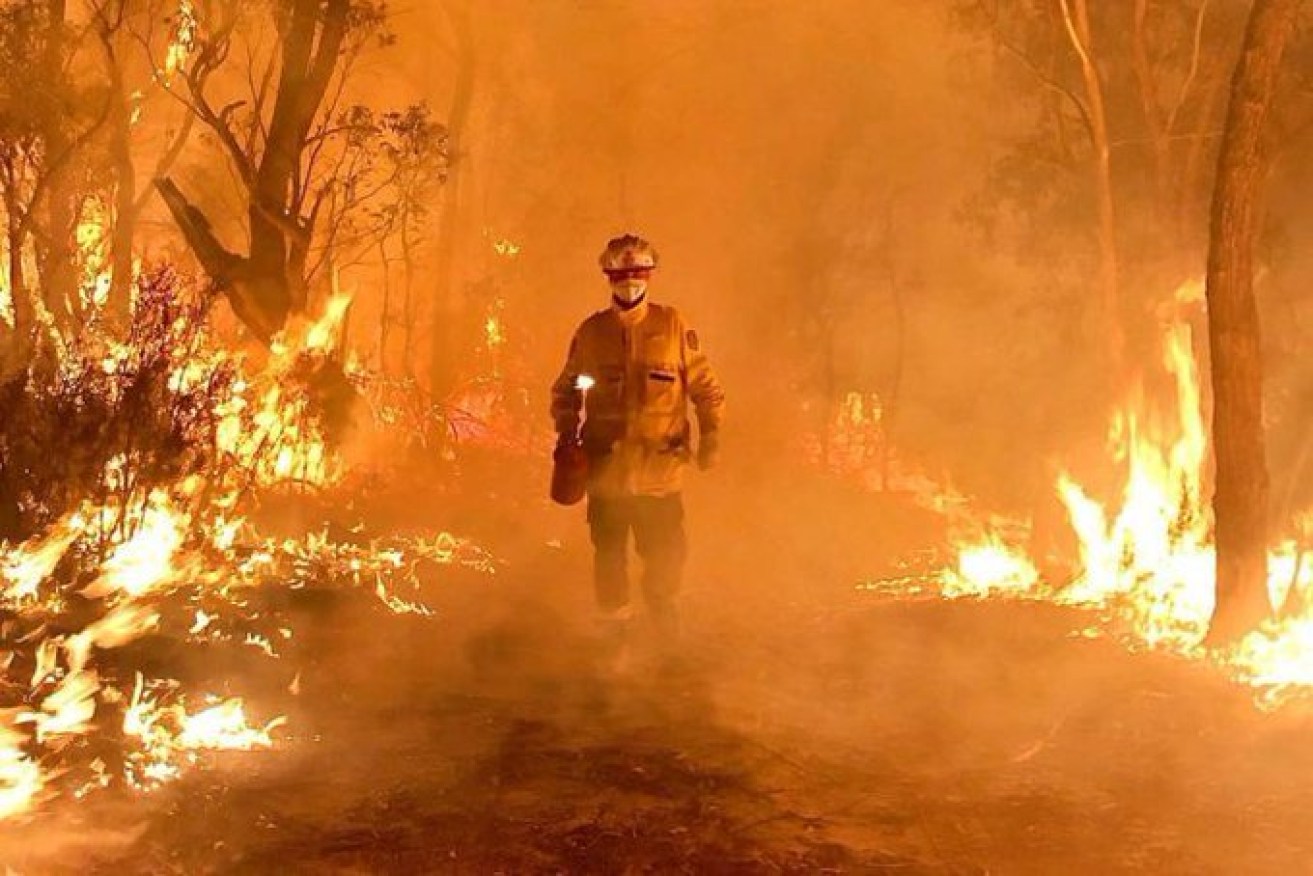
[
  {"x": 130, "y": 468},
  {"x": 1146, "y": 562}
]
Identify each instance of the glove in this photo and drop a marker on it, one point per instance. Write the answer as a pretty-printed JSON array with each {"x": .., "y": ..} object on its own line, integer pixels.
[
  {"x": 565, "y": 444},
  {"x": 708, "y": 450}
]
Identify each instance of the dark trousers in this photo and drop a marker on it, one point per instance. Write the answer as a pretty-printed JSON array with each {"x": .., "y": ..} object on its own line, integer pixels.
[{"x": 658, "y": 526}]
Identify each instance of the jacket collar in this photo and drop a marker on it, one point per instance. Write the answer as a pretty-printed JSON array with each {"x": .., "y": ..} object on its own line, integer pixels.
[{"x": 633, "y": 315}]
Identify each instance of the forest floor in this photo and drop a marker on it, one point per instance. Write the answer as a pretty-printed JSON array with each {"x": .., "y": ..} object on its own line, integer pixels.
[{"x": 808, "y": 726}]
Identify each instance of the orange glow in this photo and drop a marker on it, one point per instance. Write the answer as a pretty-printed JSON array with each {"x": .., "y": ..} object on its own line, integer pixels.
[
  {"x": 1149, "y": 561},
  {"x": 21, "y": 780},
  {"x": 990, "y": 568}
]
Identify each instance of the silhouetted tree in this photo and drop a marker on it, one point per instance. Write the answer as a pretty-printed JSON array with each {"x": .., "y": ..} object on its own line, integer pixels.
[
  {"x": 305, "y": 161},
  {"x": 1240, "y": 503}
]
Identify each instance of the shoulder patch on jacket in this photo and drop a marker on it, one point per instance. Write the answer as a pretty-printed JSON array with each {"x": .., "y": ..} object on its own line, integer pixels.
[{"x": 691, "y": 338}]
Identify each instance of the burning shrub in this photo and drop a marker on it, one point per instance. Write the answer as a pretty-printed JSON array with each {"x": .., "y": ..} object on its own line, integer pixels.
[
  {"x": 129, "y": 465},
  {"x": 146, "y": 406}
]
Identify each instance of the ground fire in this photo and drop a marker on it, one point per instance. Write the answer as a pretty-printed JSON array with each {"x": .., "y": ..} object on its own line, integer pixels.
[{"x": 637, "y": 437}]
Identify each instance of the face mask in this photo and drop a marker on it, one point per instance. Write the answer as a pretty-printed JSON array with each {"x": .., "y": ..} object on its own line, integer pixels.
[{"x": 629, "y": 291}]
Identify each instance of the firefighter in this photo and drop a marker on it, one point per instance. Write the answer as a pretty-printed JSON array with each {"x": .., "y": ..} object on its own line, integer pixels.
[{"x": 646, "y": 366}]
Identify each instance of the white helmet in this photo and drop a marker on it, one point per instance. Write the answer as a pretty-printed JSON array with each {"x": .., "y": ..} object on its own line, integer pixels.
[{"x": 629, "y": 252}]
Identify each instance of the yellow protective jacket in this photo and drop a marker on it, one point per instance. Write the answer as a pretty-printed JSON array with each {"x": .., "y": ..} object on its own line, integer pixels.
[{"x": 648, "y": 366}]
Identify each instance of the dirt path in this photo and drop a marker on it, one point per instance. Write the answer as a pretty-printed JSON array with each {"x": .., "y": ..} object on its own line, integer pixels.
[{"x": 808, "y": 728}]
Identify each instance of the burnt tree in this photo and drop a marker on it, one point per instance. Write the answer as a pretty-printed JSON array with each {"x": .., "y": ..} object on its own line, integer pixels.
[
  {"x": 268, "y": 284},
  {"x": 1240, "y": 501}
]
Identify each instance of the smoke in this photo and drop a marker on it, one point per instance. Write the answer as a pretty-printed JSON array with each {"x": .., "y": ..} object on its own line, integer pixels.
[{"x": 812, "y": 176}]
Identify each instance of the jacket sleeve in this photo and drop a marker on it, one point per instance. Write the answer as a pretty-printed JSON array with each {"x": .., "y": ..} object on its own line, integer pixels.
[
  {"x": 567, "y": 401},
  {"x": 704, "y": 389}
]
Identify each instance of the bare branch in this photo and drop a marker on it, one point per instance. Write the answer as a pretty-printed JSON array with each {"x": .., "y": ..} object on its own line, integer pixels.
[
  {"x": 1044, "y": 79},
  {"x": 1195, "y": 54}
]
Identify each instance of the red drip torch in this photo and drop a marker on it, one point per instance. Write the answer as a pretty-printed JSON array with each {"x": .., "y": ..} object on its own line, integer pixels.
[{"x": 569, "y": 462}]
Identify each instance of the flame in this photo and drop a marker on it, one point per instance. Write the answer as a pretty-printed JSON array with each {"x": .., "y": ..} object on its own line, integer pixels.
[
  {"x": 145, "y": 561},
  {"x": 185, "y": 35},
  {"x": 493, "y": 331},
  {"x": 224, "y": 727},
  {"x": 122, "y": 625},
  {"x": 68, "y": 709},
  {"x": 139, "y": 543},
  {"x": 506, "y": 247},
  {"x": 990, "y": 567},
  {"x": 21, "y": 780},
  {"x": 1155, "y": 557},
  {"x": 27, "y": 566},
  {"x": 277, "y": 438},
  {"x": 168, "y": 737},
  {"x": 1149, "y": 562},
  {"x": 323, "y": 335},
  {"x": 92, "y": 236},
  {"x": 6, "y": 300}
]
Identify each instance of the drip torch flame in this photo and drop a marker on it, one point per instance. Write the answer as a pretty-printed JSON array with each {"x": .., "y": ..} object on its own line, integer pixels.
[{"x": 583, "y": 383}]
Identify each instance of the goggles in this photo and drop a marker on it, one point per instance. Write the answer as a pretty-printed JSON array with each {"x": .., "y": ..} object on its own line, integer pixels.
[{"x": 637, "y": 272}]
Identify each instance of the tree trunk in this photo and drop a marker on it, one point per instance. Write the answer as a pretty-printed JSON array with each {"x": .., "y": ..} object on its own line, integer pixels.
[
  {"x": 15, "y": 241},
  {"x": 408, "y": 298},
  {"x": 385, "y": 307},
  {"x": 893, "y": 391},
  {"x": 446, "y": 313},
  {"x": 1076, "y": 17},
  {"x": 279, "y": 240},
  {"x": 269, "y": 284},
  {"x": 119, "y": 305},
  {"x": 1240, "y": 502},
  {"x": 56, "y": 253}
]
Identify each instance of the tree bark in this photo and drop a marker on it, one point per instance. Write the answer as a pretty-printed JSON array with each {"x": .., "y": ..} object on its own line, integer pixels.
[
  {"x": 278, "y": 242},
  {"x": 56, "y": 255},
  {"x": 1240, "y": 501},
  {"x": 15, "y": 242},
  {"x": 125, "y": 192}
]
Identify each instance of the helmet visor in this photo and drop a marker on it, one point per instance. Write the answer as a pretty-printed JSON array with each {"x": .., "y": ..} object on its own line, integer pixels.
[{"x": 634, "y": 272}]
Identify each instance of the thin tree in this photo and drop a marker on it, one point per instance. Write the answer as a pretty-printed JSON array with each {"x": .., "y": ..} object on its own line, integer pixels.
[
  {"x": 446, "y": 335},
  {"x": 1069, "y": 24},
  {"x": 1076, "y": 22},
  {"x": 1240, "y": 501}
]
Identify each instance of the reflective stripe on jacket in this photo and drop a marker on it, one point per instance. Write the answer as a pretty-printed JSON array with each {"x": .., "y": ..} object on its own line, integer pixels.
[{"x": 648, "y": 366}]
